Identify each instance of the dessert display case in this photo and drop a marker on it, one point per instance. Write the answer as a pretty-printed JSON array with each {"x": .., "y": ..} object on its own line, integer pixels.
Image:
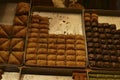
[{"x": 42, "y": 40}]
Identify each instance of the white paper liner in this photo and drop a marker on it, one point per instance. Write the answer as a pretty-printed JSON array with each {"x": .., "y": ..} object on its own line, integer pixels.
[
  {"x": 10, "y": 76},
  {"x": 63, "y": 23},
  {"x": 110, "y": 19},
  {"x": 45, "y": 77}
]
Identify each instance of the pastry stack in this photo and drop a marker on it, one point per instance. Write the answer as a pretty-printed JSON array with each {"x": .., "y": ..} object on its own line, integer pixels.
[
  {"x": 52, "y": 49},
  {"x": 44, "y": 49},
  {"x": 12, "y": 38},
  {"x": 37, "y": 41},
  {"x": 60, "y": 45},
  {"x": 80, "y": 51},
  {"x": 70, "y": 50},
  {"x": 42, "y": 52}
]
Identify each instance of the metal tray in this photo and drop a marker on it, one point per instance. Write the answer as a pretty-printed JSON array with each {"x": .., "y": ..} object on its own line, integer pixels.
[
  {"x": 59, "y": 10},
  {"x": 105, "y": 16},
  {"x": 49, "y": 71}
]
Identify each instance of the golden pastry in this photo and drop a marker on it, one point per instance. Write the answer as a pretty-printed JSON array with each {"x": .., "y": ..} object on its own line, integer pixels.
[
  {"x": 18, "y": 56},
  {"x": 70, "y": 41},
  {"x": 70, "y": 57},
  {"x": 30, "y": 57},
  {"x": 44, "y": 22},
  {"x": 80, "y": 64},
  {"x": 21, "y": 20},
  {"x": 60, "y": 41},
  {"x": 22, "y": 8},
  {"x": 61, "y": 36},
  {"x": 35, "y": 25},
  {"x": 70, "y": 63},
  {"x": 17, "y": 44},
  {"x": 51, "y": 46},
  {"x": 4, "y": 55},
  {"x": 70, "y": 46},
  {"x": 43, "y": 45},
  {"x": 51, "y": 57},
  {"x": 44, "y": 19},
  {"x": 19, "y": 31},
  {"x": 33, "y": 35},
  {"x": 32, "y": 45},
  {"x": 41, "y": 62},
  {"x": 31, "y": 50},
  {"x": 80, "y": 47},
  {"x": 60, "y": 52},
  {"x": 33, "y": 39},
  {"x": 78, "y": 36},
  {"x": 60, "y": 46},
  {"x": 52, "y": 35},
  {"x": 42, "y": 51},
  {"x": 13, "y": 60},
  {"x": 80, "y": 52},
  {"x": 60, "y": 63},
  {"x": 4, "y": 44},
  {"x": 81, "y": 58},
  {"x": 51, "y": 63},
  {"x": 70, "y": 52},
  {"x": 35, "y": 19},
  {"x": 43, "y": 40},
  {"x": 34, "y": 30},
  {"x": 31, "y": 62},
  {"x": 60, "y": 57},
  {"x": 44, "y": 26},
  {"x": 42, "y": 56},
  {"x": 70, "y": 36},
  {"x": 80, "y": 42},
  {"x": 51, "y": 40},
  {"x": 52, "y": 51},
  {"x": 36, "y": 16},
  {"x": 43, "y": 35},
  {"x": 44, "y": 31},
  {"x": 5, "y": 30}
]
